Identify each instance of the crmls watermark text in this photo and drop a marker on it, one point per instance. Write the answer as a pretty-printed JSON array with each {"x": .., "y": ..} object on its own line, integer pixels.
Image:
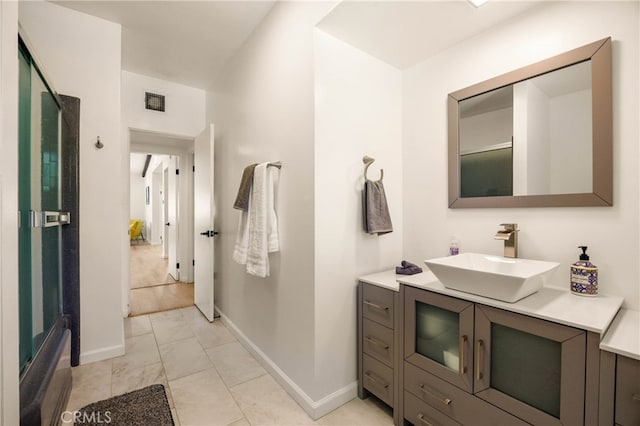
[{"x": 95, "y": 417}]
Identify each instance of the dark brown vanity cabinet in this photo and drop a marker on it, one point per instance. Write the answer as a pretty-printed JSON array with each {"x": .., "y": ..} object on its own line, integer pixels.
[
  {"x": 627, "y": 405},
  {"x": 479, "y": 365},
  {"x": 378, "y": 344}
]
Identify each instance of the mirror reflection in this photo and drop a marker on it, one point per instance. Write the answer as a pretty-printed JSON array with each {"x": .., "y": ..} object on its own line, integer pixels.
[{"x": 533, "y": 137}]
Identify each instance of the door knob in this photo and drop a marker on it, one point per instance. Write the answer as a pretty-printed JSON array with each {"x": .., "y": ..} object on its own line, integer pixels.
[
  {"x": 209, "y": 233},
  {"x": 167, "y": 224}
]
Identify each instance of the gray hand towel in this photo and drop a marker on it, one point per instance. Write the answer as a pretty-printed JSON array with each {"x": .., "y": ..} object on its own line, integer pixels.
[
  {"x": 242, "y": 199},
  {"x": 377, "y": 218},
  {"x": 408, "y": 268}
]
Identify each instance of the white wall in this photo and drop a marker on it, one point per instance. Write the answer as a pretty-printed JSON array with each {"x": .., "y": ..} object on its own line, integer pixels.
[
  {"x": 538, "y": 135},
  {"x": 358, "y": 111},
  {"x": 263, "y": 110},
  {"x": 546, "y": 233},
  {"x": 487, "y": 129},
  {"x": 81, "y": 55},
  {"x": 568, "y": 142},
  {"x": 137, "y": 206},
  {"x": 185, "y": 106},
  {"x": 9, "y": 399}
]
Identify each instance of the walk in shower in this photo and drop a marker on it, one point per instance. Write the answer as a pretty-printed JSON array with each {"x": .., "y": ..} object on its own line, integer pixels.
[{"x": 45, "y": 336}]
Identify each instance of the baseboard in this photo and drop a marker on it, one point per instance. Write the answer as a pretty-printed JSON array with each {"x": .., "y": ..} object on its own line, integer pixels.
[
  {"x": 315, "y": 409},
  {"x": 101, "y": 354}
]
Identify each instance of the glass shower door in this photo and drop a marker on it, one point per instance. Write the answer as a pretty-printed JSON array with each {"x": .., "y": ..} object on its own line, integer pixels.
[{"x": 40, "y": 290}]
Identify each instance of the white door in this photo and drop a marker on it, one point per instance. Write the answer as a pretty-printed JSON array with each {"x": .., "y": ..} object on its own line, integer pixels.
[
  {"x": 203, "y": 211},
  {"x": 165, "y": 213},
  {"x": 172, "y": 217}
]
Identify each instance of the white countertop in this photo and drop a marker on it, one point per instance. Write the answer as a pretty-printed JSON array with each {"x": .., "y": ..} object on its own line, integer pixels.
[
  {"x": 550, "y": 303},
  {"x": 623, "y": 337},
  {"x": 386, "y": 279}
]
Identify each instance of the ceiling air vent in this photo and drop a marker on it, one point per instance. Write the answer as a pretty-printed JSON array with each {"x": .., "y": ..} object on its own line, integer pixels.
[{"x": 154, "y": 102}]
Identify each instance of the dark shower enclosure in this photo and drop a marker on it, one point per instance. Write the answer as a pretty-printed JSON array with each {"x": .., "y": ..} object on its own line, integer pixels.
[{"x": 48, "y": 244}]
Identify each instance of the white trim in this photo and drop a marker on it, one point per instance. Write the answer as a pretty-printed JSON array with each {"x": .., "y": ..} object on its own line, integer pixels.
[
  {"x": 101, "y": 354},
  {"x": 9, "y": 275},
  {"x": 315, "y": 409}
]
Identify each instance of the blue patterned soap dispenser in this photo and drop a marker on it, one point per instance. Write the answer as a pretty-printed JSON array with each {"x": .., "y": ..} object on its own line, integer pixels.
[{"x": 584, "y": 276}]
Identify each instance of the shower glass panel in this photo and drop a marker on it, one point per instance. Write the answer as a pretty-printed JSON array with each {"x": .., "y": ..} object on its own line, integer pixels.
[{"x": 40, "y": 290}]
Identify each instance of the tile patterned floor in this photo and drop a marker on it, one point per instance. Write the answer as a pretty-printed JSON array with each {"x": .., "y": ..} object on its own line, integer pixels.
[{"x": 209, "y": 377}]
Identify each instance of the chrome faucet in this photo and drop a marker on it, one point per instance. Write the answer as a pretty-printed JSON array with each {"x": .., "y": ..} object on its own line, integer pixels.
[{"x": 510, "y": 237}]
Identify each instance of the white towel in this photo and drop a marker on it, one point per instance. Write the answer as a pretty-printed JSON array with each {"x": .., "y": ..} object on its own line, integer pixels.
[
  {"x": 258, "y": 227},
  {"x": 241, "y": 247}
]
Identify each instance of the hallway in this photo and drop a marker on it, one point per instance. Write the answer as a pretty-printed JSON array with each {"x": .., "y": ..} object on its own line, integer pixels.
[{"x": 153, "y": 289}]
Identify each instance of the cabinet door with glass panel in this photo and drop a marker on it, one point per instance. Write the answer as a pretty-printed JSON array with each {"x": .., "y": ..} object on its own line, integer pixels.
[
  {"x": 439, "y": 336},
  {"x": 532, "y": 368}
]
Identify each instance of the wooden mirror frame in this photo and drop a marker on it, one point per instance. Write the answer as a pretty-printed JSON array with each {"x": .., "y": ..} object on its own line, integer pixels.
[{"x": 599, "y": 53}]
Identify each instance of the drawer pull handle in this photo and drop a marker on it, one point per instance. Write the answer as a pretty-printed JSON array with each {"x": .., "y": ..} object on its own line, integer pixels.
[
  {"x": 375, "y": 305},
  {"x": 463, "y": 364},
  {"x": 479, "y": 346},
  {"x": 376, "y": 342},
  {"x": 636, "y": 397},
  {"x": 378, "y": 381},
  {"x": 444, "y": 400},
  {"x": 423, "y": 420}
]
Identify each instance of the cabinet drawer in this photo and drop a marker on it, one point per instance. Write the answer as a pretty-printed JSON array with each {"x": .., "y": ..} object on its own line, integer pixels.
[
  {"x": 627, "y": 391},
  {"x": 421, "y": 414},
  {"x": 377, "y": 304},
  {"x": 377, "y": 378},
  {"x": 377, "y": 341},
  {"x": 452, "y": 401}
]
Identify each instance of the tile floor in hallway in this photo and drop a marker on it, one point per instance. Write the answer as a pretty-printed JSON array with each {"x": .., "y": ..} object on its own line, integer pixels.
[{"x": 209, "y": 377}]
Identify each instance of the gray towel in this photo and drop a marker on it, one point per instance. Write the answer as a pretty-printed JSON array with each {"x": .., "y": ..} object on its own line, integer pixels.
[
  {"x": 242, "y": 199},
  {"x": 408, "y": 268},
  {"x": 376, "y": 211}
]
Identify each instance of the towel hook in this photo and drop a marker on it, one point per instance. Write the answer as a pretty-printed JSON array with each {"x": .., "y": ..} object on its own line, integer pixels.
[{"x": 367, "y": 162}]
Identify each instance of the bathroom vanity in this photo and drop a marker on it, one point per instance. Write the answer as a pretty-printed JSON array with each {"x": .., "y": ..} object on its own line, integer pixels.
[
  {"x": 379, "y": 331},
  {"x": 621, "y": 367},
  {"x": 449, "y": 357}
]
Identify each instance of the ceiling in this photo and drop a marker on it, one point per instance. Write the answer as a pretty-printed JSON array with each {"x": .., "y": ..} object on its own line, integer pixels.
[
  {"x": 404, "y": 33},
  {"x": 136, "y": 162},
  {"x": 185, "y": 42},
  {"x": 189, "y": 42},
  {"x": 157, "y": 144}
]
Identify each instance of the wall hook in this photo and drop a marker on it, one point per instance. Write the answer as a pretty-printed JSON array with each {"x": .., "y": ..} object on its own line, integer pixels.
[
  {"x": 367, "y": 162},
  {"x": 99, "y": 144}
]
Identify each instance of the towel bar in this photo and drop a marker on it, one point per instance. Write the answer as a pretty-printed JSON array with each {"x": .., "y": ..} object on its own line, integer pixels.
[{"x": 367, "y": 162}]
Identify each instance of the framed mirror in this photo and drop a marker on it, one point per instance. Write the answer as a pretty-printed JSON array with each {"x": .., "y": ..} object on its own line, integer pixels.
[{"x": 539, "y": 136}]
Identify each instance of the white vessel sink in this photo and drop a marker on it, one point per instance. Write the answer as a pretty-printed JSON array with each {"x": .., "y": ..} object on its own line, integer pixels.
[{"x": 500, "y": 278}]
